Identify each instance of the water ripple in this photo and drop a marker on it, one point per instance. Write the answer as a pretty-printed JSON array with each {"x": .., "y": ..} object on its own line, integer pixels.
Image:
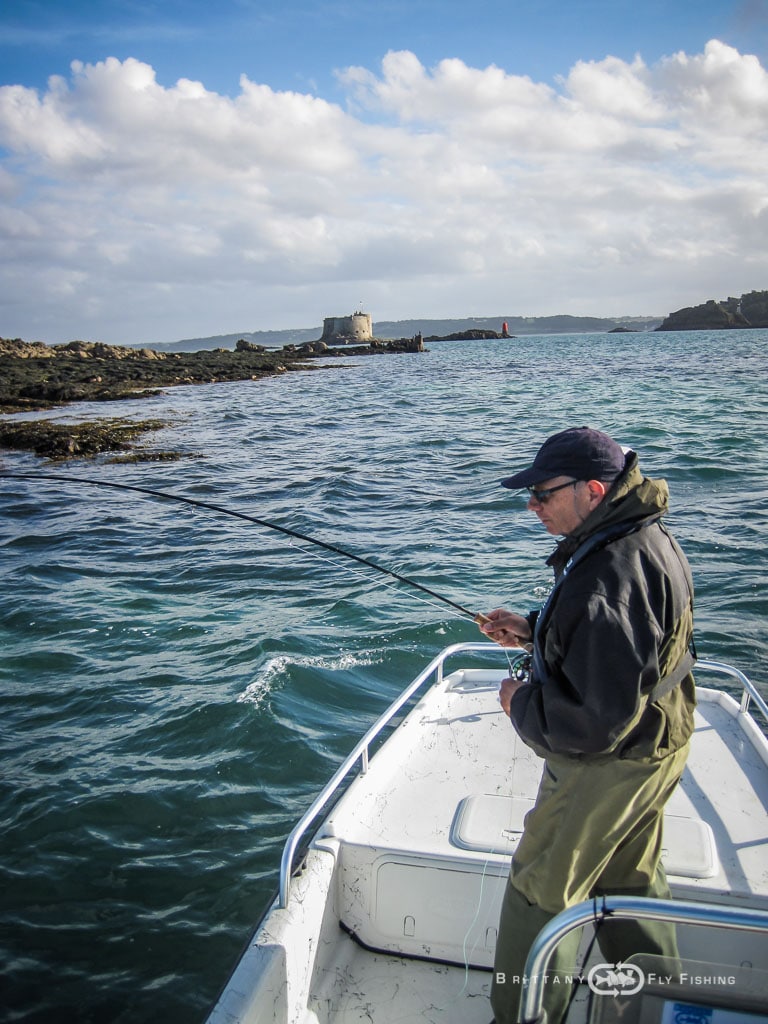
[{"x": 175, "y": 685}]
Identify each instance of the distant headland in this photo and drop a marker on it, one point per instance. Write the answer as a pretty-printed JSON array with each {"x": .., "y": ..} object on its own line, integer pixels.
[{"x": 750, "y": 310}]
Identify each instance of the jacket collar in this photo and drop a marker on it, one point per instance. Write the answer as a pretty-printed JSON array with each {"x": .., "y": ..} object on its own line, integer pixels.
[{"x": 631, "y": 499}]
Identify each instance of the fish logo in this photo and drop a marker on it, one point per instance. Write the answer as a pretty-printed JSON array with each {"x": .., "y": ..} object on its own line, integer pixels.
[{"x": 615, "y": 979}]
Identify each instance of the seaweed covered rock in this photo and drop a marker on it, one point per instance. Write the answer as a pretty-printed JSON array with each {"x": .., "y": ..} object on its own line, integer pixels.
[
  {"x": 70, "y": 440},
  {"x": 38, "y": 376}
]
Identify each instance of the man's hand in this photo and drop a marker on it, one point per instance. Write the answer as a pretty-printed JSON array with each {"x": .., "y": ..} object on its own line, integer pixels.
[
  {"x": 507, "y": 690},
  {"x": 507, "y": 629}
]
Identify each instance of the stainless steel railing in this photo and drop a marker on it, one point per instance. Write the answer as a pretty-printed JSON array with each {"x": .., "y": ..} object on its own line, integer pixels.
[
  {"x": 633, "y": 907},
  {"x": 749, "y": 690},
  {"x": 435, "y": 668}
]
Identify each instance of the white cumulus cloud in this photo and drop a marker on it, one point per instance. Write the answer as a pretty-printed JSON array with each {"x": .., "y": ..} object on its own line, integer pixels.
[{"x": 132, "y": 211}]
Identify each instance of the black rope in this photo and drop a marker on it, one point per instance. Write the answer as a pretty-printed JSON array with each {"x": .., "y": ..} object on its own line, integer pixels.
[{"x": 241, "y": 515}]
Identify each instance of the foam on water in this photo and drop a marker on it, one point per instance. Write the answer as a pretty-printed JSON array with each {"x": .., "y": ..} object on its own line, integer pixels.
[{"x": 277, "y": 670}]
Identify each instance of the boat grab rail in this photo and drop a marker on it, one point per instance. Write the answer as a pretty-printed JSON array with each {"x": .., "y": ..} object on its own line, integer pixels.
[
  {"x": 632, "y": 907},
  {"x": 360, "y": 751},
  {"x": 749, "y": 690},
  {"x": 435, "y": 668}
]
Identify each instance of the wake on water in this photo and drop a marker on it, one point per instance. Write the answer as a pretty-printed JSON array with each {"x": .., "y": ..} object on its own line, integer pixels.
[{"x": 276, "y": 672}]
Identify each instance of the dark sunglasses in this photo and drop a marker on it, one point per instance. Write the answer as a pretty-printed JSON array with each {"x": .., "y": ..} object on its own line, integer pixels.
[{"x": 542, "y": 497}]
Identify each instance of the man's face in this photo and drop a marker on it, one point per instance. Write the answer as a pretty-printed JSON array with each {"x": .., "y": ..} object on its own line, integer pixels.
[{"x": 565, "y": 510}]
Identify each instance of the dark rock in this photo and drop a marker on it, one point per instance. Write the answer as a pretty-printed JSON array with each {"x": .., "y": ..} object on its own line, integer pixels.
[
  {"x": 474, "y": 334},
  {"x": 710, "y": 315},
  {"x": 248, "y": 346},
  {"x": 73, "y": 440},
  {"x": 754, "y": 306}
]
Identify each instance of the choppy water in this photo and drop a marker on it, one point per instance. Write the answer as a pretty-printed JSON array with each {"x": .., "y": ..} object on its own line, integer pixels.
[{"x": 176, "y": 685}]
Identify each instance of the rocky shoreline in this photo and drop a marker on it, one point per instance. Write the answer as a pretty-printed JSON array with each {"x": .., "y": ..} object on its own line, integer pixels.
[
  {"x": 750, "y": 310},
  {"x": 35, "y": 376}
]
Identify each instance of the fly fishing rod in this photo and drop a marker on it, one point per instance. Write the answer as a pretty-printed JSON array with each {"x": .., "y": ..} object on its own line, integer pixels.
[{"x": 478, "y": 617}]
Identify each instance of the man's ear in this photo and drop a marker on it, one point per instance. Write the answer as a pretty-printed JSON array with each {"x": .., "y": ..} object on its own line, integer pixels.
[{"x": 597, "y": 490}]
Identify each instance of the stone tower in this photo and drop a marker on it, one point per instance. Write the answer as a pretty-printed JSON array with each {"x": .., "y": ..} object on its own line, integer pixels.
[{"x": 344, "y": 330}]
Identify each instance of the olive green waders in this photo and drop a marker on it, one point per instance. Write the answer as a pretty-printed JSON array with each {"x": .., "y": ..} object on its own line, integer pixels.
[{"x": 595, "y": 829}]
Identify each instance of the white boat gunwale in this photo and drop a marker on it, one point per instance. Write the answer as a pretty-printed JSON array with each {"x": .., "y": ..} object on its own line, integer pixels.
[
  {"x": 295, "y": 965},
  {"x": 360, "y": 752}
]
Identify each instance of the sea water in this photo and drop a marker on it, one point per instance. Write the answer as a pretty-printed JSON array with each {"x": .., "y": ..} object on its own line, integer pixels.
[{"x": 176, "y": 685}]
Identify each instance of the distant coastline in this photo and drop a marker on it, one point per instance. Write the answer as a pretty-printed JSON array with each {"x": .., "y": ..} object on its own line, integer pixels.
[
  {"x": 37, "y": 376},
  {"x": 748, "y": 310},
  {"x": 518, "y": 326}
]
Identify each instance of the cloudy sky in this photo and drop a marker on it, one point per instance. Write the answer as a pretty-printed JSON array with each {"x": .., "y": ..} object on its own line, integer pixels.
[{"x": 178, "y": 168}]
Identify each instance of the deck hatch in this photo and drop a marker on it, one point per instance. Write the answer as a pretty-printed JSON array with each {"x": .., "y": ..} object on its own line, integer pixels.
[{"x": 488, "y": 823}]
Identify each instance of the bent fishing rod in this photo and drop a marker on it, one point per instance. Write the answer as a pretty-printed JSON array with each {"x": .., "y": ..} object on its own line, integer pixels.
[{"x": 477, "y": 617}]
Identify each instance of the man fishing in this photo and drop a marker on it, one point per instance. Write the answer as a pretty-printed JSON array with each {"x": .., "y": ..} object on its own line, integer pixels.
[{"x": 608, "y": 705}]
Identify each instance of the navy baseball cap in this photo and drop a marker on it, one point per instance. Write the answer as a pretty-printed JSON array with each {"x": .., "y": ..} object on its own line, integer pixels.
[{"x": 580, "y": 452}]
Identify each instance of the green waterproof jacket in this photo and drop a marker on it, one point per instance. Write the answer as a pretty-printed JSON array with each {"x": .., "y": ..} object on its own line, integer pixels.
[{"x": 618, "y": 622}]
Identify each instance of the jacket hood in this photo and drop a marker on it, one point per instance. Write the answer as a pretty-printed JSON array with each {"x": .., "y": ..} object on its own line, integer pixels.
[{"x": 631, "y": 499}]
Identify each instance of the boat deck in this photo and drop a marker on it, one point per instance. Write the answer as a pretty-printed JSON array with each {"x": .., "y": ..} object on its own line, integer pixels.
[
  {"x": 457, "y": 739},
  {"x": 422, "y": 871},
  {"x": 393, "y": 915},
  {"x": 380, "y": 989}
]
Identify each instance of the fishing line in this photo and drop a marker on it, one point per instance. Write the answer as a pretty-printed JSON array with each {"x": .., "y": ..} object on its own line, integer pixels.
[
  {"x": 334, "y": 549},
  {"x": 369, "y": 578},
  {"x": 287, "y": 531}
]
